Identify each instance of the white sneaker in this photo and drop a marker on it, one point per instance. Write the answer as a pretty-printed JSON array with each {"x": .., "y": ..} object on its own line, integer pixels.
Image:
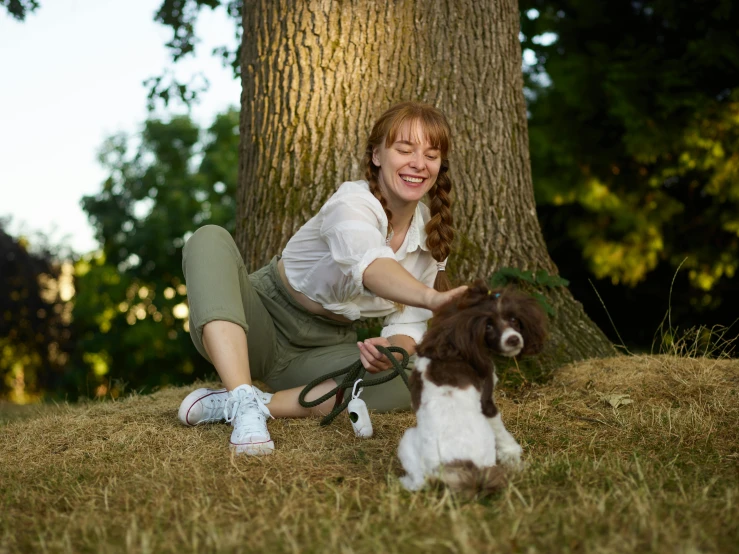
[
  {"x": 246, "y": 411},
  {"x": 208, "y": 405}
]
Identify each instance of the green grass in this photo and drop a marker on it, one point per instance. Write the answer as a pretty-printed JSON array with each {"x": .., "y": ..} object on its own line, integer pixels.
[{"x": 659, "y": 474}]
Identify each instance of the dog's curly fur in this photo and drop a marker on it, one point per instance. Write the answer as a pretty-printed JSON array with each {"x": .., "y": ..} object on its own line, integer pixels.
[{"x": 459, "y": 434}]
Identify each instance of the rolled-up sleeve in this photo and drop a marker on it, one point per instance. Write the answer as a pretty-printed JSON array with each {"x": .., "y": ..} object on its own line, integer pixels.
[
  {"x": 352, "y": 233},
  {"x": 414, "y": 327},
  {"x": 412, "y": 321}
]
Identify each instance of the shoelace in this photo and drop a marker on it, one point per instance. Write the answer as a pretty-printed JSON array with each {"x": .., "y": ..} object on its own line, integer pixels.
[
  {"x": 217, "y": 407},
  {"x": 234, "y": 402}
]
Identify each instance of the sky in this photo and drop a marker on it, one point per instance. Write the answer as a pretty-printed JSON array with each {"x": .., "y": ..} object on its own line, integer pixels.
[{"x": 71, "y": 75}]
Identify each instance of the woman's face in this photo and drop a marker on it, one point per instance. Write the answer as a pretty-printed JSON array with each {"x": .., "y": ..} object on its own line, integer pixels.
[{"x": 408, "y": 167}]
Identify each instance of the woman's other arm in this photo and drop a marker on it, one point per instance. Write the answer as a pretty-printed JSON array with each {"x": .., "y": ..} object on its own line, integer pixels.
[{"x": 375, "y": 361}]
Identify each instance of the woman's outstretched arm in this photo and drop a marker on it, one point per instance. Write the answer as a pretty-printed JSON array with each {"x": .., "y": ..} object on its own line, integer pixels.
[{"x": 388, "y": 279}]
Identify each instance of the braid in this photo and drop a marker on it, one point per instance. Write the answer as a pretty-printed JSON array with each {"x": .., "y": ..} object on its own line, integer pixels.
[
  {"x": 439, "y": 230},
  {"x": 371, "y": 174}
]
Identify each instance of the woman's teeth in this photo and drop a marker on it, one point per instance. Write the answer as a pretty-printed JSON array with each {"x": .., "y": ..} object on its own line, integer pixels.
[{"x": 412, "y": 179}]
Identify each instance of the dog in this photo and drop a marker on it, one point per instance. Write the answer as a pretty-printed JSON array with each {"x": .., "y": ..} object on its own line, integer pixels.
[{"x": 460, "y": 435}]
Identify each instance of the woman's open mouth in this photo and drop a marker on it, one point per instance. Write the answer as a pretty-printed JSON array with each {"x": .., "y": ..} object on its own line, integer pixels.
[{"x": 412, "y": 180}]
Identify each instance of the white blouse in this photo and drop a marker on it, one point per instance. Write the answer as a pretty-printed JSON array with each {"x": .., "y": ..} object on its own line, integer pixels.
[{"x": 326, "y": 259}]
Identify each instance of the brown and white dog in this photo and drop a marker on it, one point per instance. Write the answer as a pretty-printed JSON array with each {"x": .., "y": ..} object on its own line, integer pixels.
[{"x": 459, "y": 435}]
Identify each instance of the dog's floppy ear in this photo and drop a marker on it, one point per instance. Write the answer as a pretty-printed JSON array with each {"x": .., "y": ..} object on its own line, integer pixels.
[
  {"x": 470, "y": 328},
  {"x": 489, "y": 409},
  {"x": 470, "y": 339},
  {"x": 533, "y": 324},
  {"x": 416, "y": 386}
]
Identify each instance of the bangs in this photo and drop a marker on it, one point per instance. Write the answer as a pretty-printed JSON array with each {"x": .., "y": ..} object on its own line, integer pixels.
[{"x": 433, "y": 126}]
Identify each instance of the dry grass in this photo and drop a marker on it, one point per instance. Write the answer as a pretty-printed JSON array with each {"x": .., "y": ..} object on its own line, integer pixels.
[{"x": 658, "y": 474}]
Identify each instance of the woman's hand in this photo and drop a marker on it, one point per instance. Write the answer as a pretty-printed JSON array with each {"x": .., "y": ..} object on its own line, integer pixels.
[
  {"x": 373, "y": 360},
  {"x": 438, "y": 299}
]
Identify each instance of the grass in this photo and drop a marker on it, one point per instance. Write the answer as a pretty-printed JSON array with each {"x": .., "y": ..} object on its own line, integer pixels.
[
  {"x": 659, "y": 472},
  {"x": 17, "y": 412}
]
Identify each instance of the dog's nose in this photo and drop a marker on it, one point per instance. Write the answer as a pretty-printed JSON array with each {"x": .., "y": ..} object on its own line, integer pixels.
[{"x": 513, "y": 341}]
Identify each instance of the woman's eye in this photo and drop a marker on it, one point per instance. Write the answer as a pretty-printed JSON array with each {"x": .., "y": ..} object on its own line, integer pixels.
[{"x": 432, "y": 157}]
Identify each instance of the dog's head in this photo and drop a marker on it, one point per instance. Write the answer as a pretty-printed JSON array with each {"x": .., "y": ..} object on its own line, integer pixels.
[
  {"x": 516, "y": 324},
  {"x": 483, "y": 321}
]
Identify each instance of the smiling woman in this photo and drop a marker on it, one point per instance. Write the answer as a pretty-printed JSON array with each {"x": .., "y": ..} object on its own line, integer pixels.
[
  {"x": 408, "y": 162},
  {"x": 408, "y": 167},
  {"x": 406, "y": 158},
  {"x": 373, "y": 250}
]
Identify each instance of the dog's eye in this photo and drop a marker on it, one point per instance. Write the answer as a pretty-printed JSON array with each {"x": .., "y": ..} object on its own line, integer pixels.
[
  {"x": 513, "y": 320},
  {"x": 489, "y": 327}
]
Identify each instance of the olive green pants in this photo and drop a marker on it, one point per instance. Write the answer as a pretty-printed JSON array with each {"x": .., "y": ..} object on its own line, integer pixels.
[{"x": 288, "y": 345}]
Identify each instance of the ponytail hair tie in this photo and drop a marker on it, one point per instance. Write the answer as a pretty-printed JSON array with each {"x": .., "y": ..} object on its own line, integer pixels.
[{"x": 440, "y": 266}]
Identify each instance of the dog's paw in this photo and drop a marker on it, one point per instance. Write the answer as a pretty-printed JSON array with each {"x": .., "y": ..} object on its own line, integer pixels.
[
  {"x": 411, "y": 484},
  {"x": 509, "y": 455}
]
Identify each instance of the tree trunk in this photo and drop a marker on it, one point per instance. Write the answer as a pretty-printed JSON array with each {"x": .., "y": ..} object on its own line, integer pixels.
[{"x": 316, "y": 74}]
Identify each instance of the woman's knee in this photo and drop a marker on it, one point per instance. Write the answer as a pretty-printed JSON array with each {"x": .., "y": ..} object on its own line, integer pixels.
[
  {"x": 213, "y": 245},
  {"x": 206, "y": 236}
]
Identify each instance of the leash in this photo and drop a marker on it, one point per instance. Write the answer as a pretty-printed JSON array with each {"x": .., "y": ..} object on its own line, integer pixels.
[{"x": 353, "y": 372}]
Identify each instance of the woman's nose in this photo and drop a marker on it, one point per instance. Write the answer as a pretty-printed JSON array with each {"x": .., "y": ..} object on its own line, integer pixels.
[{"x": 418, "y": 161}]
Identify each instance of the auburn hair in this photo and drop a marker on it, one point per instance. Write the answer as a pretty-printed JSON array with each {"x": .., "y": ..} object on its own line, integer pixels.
[{"x": 439, "y": 229}]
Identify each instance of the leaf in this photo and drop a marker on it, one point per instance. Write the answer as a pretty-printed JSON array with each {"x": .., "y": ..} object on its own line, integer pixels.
[
  {"x": 616, "y": 400},
  {"x": 498, "y": 280},
  {"x": 541, "y": 277},
  {"x": 544, "y": 278}
]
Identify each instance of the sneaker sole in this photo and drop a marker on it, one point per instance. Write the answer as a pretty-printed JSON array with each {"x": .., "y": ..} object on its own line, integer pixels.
[
  {"x": 193, "y": 398},
  {"x": 254, "y": 449}
]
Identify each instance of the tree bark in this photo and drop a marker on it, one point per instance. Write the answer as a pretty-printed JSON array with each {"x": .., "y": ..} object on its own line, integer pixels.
[{"x": 317, "y": 73}]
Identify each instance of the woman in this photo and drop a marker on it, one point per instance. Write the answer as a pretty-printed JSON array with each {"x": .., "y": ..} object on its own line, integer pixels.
[{"x": 373, "y": 250}]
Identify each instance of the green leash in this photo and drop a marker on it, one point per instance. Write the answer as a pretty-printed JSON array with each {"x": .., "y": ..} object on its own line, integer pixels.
[{"x": 353, "y": 372}]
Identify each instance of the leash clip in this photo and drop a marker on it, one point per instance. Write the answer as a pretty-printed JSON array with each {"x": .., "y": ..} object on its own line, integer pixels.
[{"x": 358, "y": 414}]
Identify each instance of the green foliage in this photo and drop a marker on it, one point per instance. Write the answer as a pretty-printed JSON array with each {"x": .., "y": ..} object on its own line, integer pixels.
[
  {"x": 175, "y": 182},
  {"x": 130, "y": 309},
  {"x": 530, "y": 281},
  {"x": 19, "y": 9},
  {"x": 166, "y": 88},
  {"x": 634, "y": 128},
  {"x": 34, "y": 319},
  {"x": 181, "y": 16},
  {"x": 541, "y": 278}
]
